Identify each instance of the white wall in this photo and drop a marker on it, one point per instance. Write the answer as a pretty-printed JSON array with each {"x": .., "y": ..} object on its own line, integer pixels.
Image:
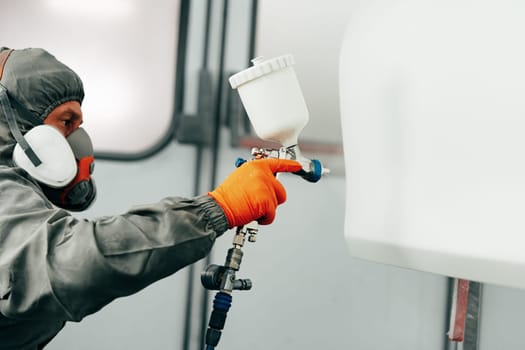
[{"x": 312, "y": 31}]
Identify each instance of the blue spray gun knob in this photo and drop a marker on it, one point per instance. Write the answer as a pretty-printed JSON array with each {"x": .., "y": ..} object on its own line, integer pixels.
[
  {"x": 239, "y": 162},
  {"x": 315, "y": 174}
]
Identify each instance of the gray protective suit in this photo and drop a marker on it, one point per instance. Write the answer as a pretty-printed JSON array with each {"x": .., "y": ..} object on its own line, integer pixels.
[{"x": 55, "y": 268}]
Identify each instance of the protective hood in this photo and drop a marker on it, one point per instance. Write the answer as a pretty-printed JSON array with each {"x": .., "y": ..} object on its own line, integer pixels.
[{"x": 36, "y": 83}]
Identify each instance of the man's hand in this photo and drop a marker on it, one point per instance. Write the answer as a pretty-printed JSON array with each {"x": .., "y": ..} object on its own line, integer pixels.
[{"x": 252, "y": 192}]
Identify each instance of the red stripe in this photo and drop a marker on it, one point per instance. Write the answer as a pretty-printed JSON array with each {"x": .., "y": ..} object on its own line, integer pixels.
[{"x": 457, "y": 331}]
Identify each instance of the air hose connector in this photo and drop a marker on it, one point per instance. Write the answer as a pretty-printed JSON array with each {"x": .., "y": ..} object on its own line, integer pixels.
[{"x": 221, "y": 305}]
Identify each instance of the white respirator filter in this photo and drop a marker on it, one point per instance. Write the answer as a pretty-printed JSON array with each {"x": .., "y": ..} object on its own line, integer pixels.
[{"x": 58, "y": 167}]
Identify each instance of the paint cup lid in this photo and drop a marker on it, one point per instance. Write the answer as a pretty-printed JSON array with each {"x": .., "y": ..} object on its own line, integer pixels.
[{"x": 261, "y": 67}]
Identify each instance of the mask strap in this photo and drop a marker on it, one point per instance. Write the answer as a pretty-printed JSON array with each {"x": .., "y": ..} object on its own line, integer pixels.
[
  {"x": 10, "y": 116},
  {"x": 4, "y": 55},
  {"x": 15, "y": 130}
]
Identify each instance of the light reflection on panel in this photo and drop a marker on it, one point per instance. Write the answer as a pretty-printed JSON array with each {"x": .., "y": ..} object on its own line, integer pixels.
[{"x": 124, "y": 51}]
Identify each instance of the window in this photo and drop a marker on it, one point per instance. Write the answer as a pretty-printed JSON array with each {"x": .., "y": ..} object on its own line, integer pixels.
[{"x": 124, "y": 51}]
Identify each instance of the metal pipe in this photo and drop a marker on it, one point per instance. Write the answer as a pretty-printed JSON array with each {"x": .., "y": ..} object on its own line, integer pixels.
[
  {"x": 215, "y": 151},
  {"x": 251, "y": 52},
  {"x": 198, "y": 169}
]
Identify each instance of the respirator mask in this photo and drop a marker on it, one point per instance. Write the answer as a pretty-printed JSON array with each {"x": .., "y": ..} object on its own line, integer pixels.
[{"x": 62, "y": 166}]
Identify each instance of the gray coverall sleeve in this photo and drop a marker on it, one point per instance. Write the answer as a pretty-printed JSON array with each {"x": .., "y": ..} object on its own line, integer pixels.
[{"x": 54, "y": 266}]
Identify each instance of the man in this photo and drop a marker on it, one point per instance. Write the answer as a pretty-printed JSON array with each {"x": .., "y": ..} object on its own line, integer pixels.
[{"x": 55, "y": 268}]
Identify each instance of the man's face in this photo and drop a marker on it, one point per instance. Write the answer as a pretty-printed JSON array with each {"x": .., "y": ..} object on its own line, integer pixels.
[{"x": 66, "y": 117}]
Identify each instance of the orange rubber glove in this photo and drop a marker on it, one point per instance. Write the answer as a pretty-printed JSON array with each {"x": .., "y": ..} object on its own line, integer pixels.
[{"x": 252, "y": 192}]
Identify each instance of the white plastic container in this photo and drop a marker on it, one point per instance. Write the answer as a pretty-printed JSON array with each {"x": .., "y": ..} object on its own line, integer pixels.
[{"x": 272, "y": 97}]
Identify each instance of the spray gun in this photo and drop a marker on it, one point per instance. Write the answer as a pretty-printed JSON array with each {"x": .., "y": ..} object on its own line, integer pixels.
[{"x": 273, "y": 100}]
